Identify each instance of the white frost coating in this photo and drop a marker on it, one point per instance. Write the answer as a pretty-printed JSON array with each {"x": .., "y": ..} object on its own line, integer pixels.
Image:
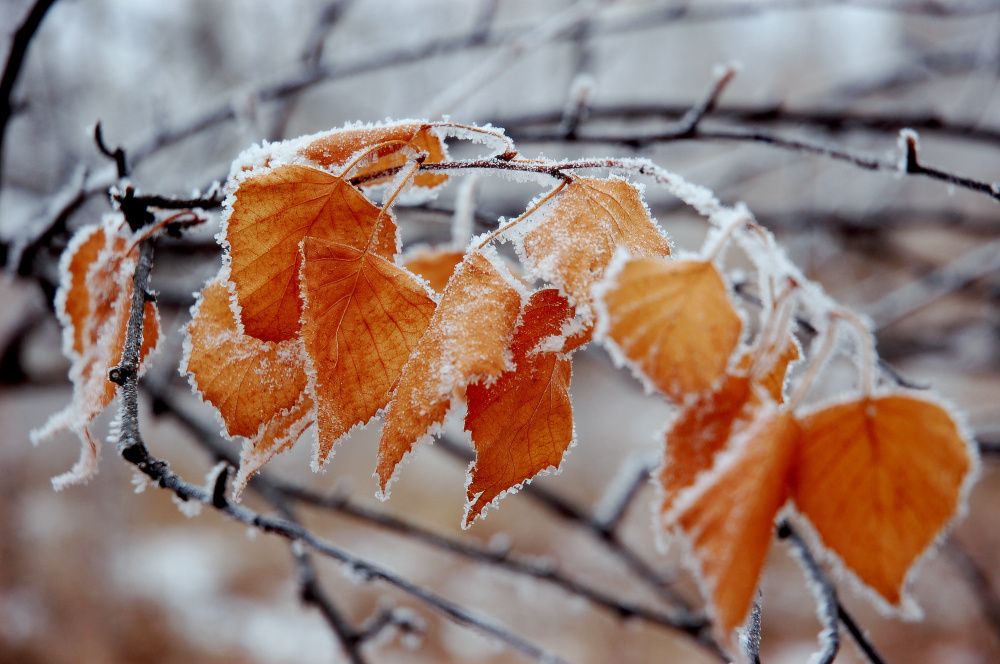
[
  {"x": 435, "y": 430},
  {"x": 495, "y": 503},
  {"x": 603, "y": 321},
  {"x": 908, "y": 608},
  {"x": 493, "y": 137},
  {"x": 620, "y": 486},
  {"x": 826, "y": 610},
  {"x": 65, "y": 284},
  {"x": 550, "y": 470},
  {"x": 189, "y": 508},
  {"x": 140, "y": 482},
  {"x": 724, "y": 461}
]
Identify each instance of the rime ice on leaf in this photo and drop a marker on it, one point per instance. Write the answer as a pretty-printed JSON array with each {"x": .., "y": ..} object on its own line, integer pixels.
[
  {"x": 363, "y": 316},
  {"x": 704, "y": 425},
  {"x": 270, "y": 216},
  {"x": 570, "y": 239},
  {"x": 276, "y": 436},
  {"x": 523, "y": 423},
  {"x": 248, "y": 380},
  {"x": 727, "y": 517},
  {"x": 672, "y": 321},
  {"x": 95, "y": 293},
  {"x": 335, "y": 148},
  {"x": 699, "y": 433},
  {"x": 436, "y": 265},
  {"x": 257, "y": 386},
  {"x": 467, "y": 340},
  {"x": 879, "y": 478}
]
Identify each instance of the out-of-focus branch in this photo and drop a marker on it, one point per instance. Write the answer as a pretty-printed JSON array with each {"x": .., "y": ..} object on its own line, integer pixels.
[
  {"x": 828, "y": 607},
  {"x": 978, "y": 582},
  {"x": 825, "y": 119},
  {"x": 15, "y": 62},
  {"x": 683, "y": 621}
]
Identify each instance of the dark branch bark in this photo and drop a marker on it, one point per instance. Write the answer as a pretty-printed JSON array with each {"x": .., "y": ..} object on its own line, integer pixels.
[{"x": 15, "y": 62}]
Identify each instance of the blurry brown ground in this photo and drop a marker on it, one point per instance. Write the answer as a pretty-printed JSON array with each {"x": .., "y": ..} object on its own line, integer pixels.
[{"x": 102, "y": 574}]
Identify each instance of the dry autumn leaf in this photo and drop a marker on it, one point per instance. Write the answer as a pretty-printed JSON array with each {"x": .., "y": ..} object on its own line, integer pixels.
[
  {"x": 363, "y": 315},
  {"x": 570, "y": 239},
  {"x": 93, "y": 301},
  {"x": 258, "y": 387},
  {"x": 879, "y": 478},
  {"x": 436, "y": 265},
  {"x": 671, "y": 321},
  {"x": 699, "y": 432},
  {"x": 522, "y": 424},
  {"x": 271, "y": 214},
  {"x": 727, "y": 517},
  {"x": 467, "y": 340},
  {"x": 336, "y": 147}
]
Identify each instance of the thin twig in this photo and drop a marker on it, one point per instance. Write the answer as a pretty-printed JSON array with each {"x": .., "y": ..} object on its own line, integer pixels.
[
  {"x": 828, "y": 607},
  {"x": 978, "y": 581},
  {"x": 684, "y": 622},
  {"x": 15, "y": 62}
]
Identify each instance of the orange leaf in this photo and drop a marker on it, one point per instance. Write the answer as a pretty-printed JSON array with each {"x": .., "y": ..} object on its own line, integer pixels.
[
  {"x": 73, "y": 299},
  {"x": 699, "y": 433},
  {"x": 271, "y": 215},
  {"x": 671, "y": 321},
  {"x": 436, "y": 265},
  {"x": 276, "y": 436},
  {"x": 523, "y": 423},
  {"x": 570, "y": 239},
  {"x": 879, "y": 478},
  {"x": 249, "y": 381},
  {"x": 727, "y": 517},
  {"x": 363, "y": 315},
  {"x": 93, "y": 302},
  {"x": 467, "y": 340},
  {"x": 335, "y": 148}
]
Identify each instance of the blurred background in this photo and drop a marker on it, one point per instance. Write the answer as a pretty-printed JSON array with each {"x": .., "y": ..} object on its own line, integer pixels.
[{"x": 805, "y": 134}]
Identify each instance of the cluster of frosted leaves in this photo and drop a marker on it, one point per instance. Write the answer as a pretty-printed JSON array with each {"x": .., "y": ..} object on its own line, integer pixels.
[
  {"x": 93, "y": 303},
  {"x": 877, "y": 477},
  {"x": 317, "y": 322}
]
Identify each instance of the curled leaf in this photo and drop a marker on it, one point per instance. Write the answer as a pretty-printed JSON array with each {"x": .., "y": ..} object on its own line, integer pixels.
[
  {"x": 336, "y": 147},
  {"x": 93, "y": 303}
]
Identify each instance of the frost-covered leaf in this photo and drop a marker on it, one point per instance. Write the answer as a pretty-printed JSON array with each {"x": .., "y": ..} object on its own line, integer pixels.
[
  {"x": 362, "y": 317},
  {"x": 271, "y": 214},
  {"x": 436, "y": 264},
  {"x": 727, "y": 517},
  {"x": 522, "y": 424},
  {"x": 93, "y": 302},
  {"x": 698, "y": 433},
  {"x": 336, "y": 147},
  {"x": 570, "y": 239},
  {"x": 671, "y": 321},
  {"x": 880, "y": 478},
  {"x": 276, "y": 436},
  {"x": 468, "y": 340},
  {"x": 248, "y": 380}
]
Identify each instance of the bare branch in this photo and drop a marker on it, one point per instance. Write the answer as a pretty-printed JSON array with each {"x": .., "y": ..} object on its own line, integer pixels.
[
  {"x": 15, "y": 62},
  {"x": 828, "y": 607}
]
